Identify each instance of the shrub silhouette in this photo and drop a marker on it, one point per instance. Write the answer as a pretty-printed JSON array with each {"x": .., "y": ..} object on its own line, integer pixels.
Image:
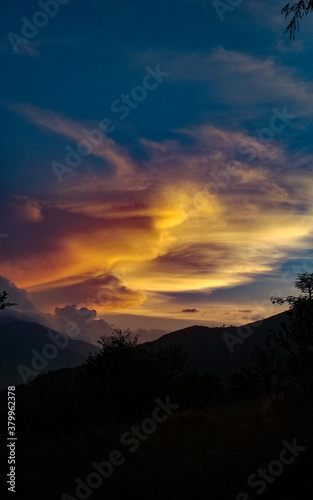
[{"x": 124, "y": 379}]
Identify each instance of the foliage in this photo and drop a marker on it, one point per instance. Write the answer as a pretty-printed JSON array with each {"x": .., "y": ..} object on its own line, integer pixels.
[
  {"x": 124, "y": 379},
  {"x": 296, "y": 336},
  {"x": 298, "y": 10},
  {"x": 3, "y": 302},
  {"x": 119, "y": 341},
  {"x": 283, "y": 365},
  {"x": 269, "y": 369},
  {"x": 243, "y": 384},
  {"x": 304, "y": 283}
]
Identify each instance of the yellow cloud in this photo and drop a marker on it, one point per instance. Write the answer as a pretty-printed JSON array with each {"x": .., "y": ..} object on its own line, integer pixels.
[{"x": 204, "y": 218}]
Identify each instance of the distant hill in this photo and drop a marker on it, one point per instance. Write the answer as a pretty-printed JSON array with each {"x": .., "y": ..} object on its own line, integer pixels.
[
  {"x": 23, "y": 343},
  {"x": 20, "y": 342},
  {"x": 207, "y": 347}
]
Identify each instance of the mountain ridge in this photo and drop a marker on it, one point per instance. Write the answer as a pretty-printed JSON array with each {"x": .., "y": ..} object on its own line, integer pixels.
[
  {"x": 215, "y": 349},
  {"x": 28, "y": 349},
  {"x": 220, "y": 349}
]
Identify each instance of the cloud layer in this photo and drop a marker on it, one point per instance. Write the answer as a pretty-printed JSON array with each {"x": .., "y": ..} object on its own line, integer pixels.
[{"x": 206, "y": 210}]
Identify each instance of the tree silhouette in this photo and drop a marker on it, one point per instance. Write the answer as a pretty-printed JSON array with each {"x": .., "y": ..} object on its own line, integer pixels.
[
  {"x": 268, "y": 368},
  {"x": 299, "y": 10},
  {"x": 296, "y": 338},
  {"x": 3, "y": 302},
  {"x": 304, "y": 283},
  {"x": 124, "y": 378},
  {"x": 287, "y": 357},
  {"x": 117, "y": 342}
]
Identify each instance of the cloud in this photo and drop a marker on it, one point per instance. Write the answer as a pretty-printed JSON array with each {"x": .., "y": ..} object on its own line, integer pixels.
[
  {"x": 82, "y": 320},
  {"x": 25, "y": 309},
  {"x": 66, "y": 319},
  {"x": 149, "y": 335},
  {"x": 113, "y": 154},
  {"x": 104, "y": 292},
  {"x": 23, "y": 210},
  {"x": 193, "y": 310},
  {"x": 80, "y": 323},
  {"x": 267, "y": 15},
  {"x": 28, "y": 48},
  {"x": 20, "y": 296},
  {"x": 207, "y": 210},
  {"x": 267, "y": 78},
  {"x": 255, "y": 81}
]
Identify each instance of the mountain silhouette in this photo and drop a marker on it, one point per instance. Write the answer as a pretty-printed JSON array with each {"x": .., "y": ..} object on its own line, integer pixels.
[
  {"x": 23, "y": 343},
  {"x": 207, "y": 347}
]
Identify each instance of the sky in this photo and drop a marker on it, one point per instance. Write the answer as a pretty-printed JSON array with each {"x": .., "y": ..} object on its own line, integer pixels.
[{"x": 156, "y": 162}]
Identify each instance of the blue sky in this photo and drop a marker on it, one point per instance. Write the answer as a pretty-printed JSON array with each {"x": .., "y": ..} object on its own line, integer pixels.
[{"x": 194, "y": 203}]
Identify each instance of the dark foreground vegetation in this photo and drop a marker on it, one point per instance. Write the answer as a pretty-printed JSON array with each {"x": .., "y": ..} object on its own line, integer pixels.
[{"x": 136, "y": 424}]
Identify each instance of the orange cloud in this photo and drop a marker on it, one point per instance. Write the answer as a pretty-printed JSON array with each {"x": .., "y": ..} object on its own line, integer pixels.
[
  {"x": 183, "y": 219},
  {"x": 23, "y": 210}
]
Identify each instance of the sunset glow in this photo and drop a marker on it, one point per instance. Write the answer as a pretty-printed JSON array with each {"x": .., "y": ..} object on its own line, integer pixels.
[{"x": 158, "y": 213}]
